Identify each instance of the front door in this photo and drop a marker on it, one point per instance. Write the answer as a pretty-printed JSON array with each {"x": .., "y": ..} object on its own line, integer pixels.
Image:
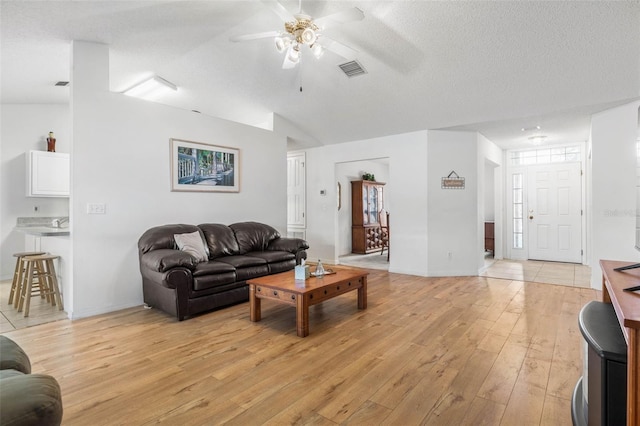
[{"x": 555, "y": 212}]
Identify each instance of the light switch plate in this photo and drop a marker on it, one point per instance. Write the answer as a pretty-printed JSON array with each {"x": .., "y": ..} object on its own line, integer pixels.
[{"x": 96, "y": 208}]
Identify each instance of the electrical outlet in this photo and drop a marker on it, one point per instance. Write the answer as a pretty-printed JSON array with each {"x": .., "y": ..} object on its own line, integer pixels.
[{"x": 96, "y": 208}]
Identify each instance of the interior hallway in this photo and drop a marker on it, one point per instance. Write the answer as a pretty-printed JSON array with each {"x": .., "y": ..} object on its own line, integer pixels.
[{"x": 569, "y": 274}]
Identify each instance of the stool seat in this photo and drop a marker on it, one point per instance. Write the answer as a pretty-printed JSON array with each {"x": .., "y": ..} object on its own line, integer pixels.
[
  {"x": 18, "y": 275},
  {"x": 40, "y": 272}
]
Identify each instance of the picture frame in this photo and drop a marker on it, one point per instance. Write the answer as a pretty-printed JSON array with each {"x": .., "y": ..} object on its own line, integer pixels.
[{"x": 202, "y": 167}]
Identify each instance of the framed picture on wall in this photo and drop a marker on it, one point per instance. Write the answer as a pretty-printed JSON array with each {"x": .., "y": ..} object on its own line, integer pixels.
[{"x": 201, "y": 167}]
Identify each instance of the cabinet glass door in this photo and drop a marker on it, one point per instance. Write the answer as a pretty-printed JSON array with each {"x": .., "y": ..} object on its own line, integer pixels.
[
  {"x": 373, "y": 204},
  {"x": 365, "y": 206}
]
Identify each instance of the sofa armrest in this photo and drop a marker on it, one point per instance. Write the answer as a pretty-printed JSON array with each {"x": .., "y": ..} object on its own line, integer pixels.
[
  {"x": 166, "y": 259},
  {"x": 13, "y": 357},
  {"x": 30, "y": 399},
  {"x": 292, "y": 245}
]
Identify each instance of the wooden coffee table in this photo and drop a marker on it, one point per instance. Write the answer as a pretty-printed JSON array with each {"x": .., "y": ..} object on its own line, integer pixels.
[{"x": 284, "y": 288}]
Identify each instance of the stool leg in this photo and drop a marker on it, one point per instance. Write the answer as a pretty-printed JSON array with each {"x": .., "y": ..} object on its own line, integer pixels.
[
  {"x": 40, "y": 281},
  {"x": 14, "y": 283},
  {"x": 55, "y": 288},
  {"x": 25, "y": 294}
]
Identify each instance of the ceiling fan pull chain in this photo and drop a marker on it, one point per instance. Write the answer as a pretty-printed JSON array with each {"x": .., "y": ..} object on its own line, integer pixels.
[{"x": 300, "y": 73}]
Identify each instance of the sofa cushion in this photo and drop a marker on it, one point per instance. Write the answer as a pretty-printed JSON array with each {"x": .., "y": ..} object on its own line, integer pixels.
[
  {"x": 272, "y": 256},
  {"x": 242, "y": 261},
  {"x": 243, "y": 274},
  {"x": 161, "y": 237},
  {"x": 211, "y": 281},
  {"x": 193, "y": 244},
  {"x": 253, "y": 236},
  {"x": 220, "y": 239},
  {"x": 212, "y": 267},
  {"x": 286, "y": 265}
]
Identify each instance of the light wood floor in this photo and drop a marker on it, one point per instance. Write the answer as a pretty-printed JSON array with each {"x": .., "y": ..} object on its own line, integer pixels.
[{"x": 434, "y": 351}]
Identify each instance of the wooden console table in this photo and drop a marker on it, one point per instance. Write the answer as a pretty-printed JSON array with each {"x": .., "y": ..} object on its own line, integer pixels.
[{"x": 627, "y": 307}]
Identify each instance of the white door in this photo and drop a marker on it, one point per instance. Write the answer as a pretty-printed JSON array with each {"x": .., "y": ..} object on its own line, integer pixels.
[
  {"x": 555, "y": 212},
  {"x": 296, "y": 189}
]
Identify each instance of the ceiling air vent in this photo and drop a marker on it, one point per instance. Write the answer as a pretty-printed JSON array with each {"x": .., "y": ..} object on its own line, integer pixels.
[
  {"x": 62, "y": 83},
  {"x": 352, "y": 69}
]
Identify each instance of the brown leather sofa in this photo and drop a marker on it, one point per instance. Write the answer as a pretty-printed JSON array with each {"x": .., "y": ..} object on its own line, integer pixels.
[
  {"x": 175, "y": 282},
  {"x": 26, "y": 399}
]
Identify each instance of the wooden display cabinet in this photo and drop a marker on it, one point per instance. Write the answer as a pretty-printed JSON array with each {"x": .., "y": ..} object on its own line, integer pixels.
[{"x": 367, "y": 199}]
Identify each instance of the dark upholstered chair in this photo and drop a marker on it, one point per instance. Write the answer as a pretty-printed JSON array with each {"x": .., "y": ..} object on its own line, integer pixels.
[{"x": 26, "y": 399}]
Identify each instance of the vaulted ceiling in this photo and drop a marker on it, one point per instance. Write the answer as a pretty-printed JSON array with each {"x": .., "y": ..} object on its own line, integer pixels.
[{"x": 492, "y": 67}]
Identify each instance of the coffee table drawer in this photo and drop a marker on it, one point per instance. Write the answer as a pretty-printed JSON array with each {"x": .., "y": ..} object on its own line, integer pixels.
[
  {"x": 269, "y": 293},
  {"x": 331, "y": 291}
]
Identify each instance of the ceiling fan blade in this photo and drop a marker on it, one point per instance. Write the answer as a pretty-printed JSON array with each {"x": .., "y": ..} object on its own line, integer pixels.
[
  {"x": 349, "y": 15},
  {"x": 255, "y": 36},
  {"x": 339, "y": 48},
  {"x": 279, "y": 10}
]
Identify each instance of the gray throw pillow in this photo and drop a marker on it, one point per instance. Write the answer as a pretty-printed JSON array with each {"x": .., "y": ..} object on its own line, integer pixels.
[{"x": 192, "y": 243}]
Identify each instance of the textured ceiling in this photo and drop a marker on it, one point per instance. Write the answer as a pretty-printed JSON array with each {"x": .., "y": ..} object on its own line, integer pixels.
[{"x": 494, "y": 67}]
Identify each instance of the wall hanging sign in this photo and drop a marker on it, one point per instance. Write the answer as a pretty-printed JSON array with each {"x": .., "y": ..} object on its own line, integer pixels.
[
  {"x": 204, "y": 168},
  {"x": 453, "y": 181}
]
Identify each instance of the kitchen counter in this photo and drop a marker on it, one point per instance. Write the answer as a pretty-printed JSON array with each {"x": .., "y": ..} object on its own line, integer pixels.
[
  {"x": 41, "y": 226},
  {"x": 43, "y": 231}
]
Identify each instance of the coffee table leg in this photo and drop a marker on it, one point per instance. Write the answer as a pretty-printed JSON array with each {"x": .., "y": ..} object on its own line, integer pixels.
[
  {"x": 362, "y": 294},
  {"x": 302, "y": 316},
  {"x": 255, "y": 312}
]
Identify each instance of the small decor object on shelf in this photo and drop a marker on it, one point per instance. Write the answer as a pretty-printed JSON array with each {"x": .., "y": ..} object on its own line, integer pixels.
[
  {"x": 319, "y": 270},
  {"x": 51, "y": 143},
  {"x": 369, "y": 177}
]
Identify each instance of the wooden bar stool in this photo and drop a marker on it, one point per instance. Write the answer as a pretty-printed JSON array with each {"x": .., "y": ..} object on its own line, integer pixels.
[
  {"x": 14, "y": 294},
  {"x": 39, "y": 272}
]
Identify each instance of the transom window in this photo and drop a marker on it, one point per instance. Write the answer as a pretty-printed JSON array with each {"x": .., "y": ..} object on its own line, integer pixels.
[{"x": 545, "y": 155}]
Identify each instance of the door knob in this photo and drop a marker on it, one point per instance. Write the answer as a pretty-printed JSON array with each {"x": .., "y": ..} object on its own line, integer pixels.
[{"x": 530, "y": 217}]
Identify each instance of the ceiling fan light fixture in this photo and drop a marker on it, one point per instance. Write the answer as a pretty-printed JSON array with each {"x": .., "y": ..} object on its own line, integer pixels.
[
  {"x": 318, "y": 51},
  {"x": 309, "y": 36},
  {"x": 281, "y": 43},
  {"x": 294, "y": 54}
]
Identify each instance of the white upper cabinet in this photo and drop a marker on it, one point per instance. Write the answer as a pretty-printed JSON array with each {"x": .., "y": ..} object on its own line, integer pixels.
[{"x": 48, "y": 174}]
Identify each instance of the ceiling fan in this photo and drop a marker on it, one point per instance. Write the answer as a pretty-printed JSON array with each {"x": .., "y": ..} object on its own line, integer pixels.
[{"x": 302, "y": 30}]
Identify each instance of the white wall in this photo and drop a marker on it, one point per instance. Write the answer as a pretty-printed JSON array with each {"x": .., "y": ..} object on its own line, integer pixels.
[
  {"x": 613, "y": 164},
  {"x": 407, "y": 155},
  {"x": 345, "y": 173},
  {"x": 427, "y": 221},
  {"x": 452, "y": 216},
  {"x": 120, "y": 157},
  {"x": 25, "y": 127},
  {"x": 491, "y": 192},
  {"x": 489, "y": 195}
]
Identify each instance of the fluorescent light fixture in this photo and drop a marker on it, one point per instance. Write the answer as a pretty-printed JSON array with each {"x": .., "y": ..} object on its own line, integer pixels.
[{"x": 151, "y": 88}]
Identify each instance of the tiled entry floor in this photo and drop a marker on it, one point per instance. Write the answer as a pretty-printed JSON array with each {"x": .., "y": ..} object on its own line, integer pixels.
[
  {"x": 40, "y": 312},
  {"x": 570, "y": 274}
]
